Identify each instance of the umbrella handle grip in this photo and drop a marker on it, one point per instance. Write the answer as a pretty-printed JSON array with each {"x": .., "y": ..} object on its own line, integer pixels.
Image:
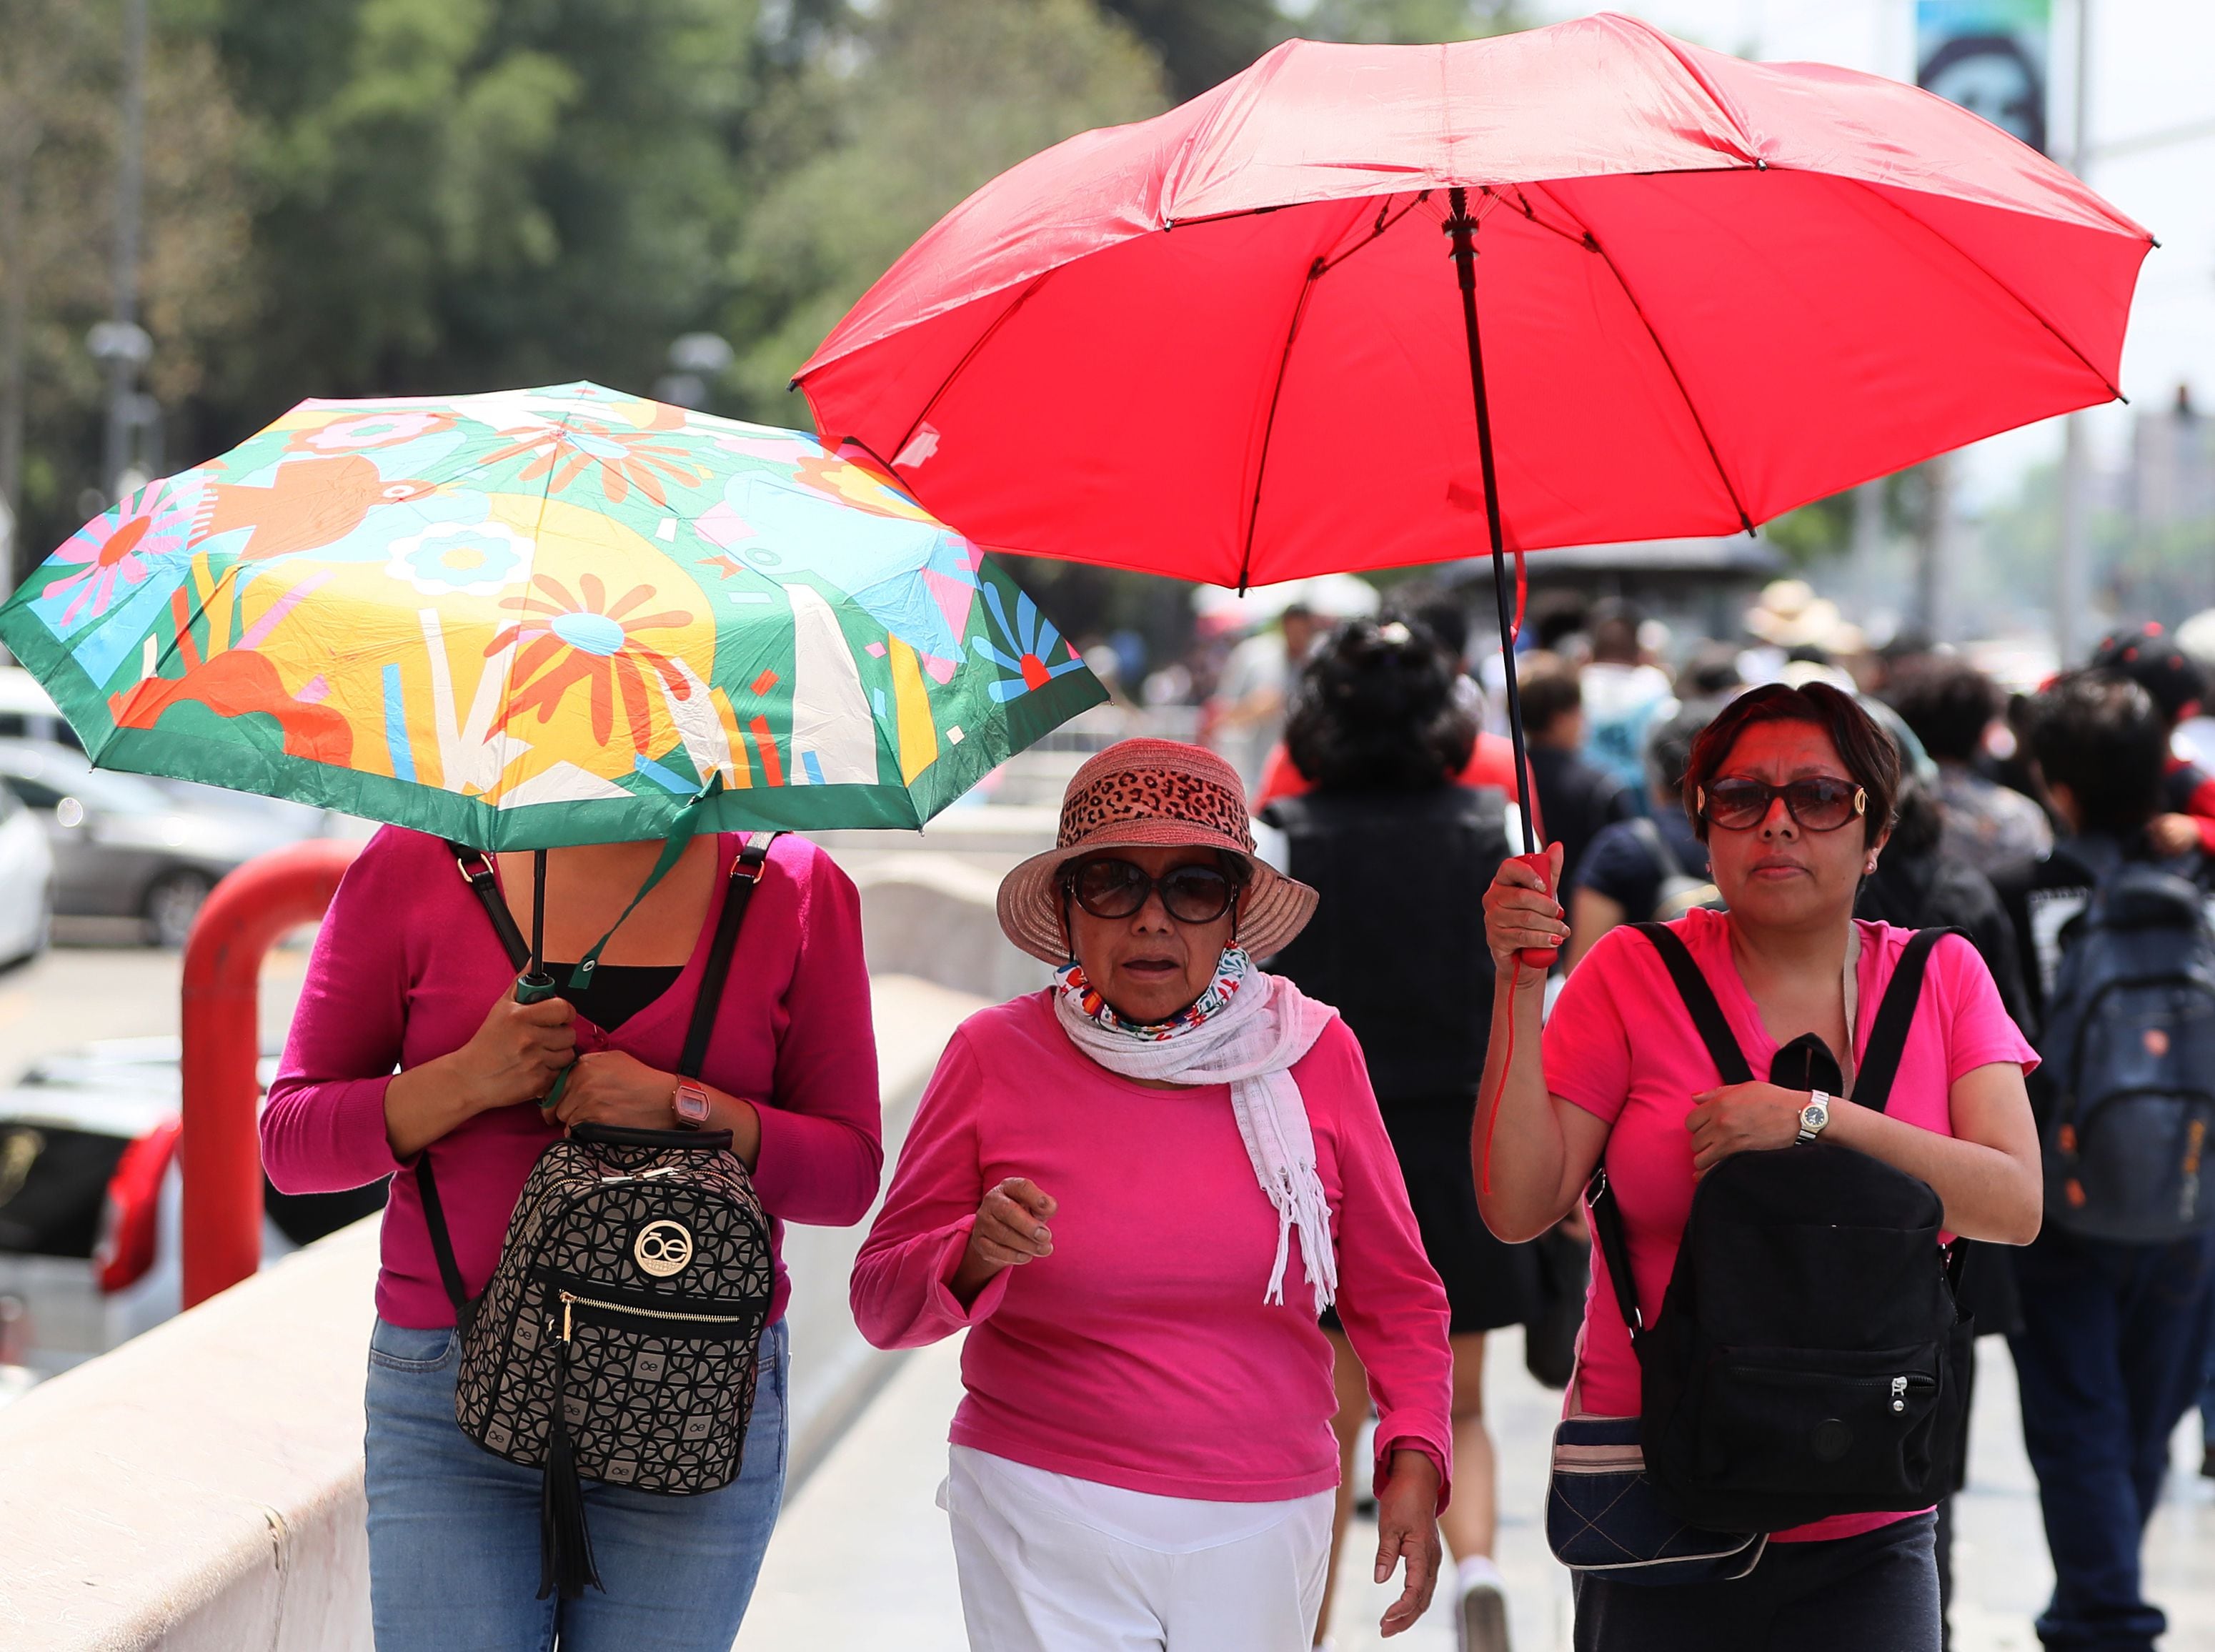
[
  {"x": 537, "y": 989},
  {"x": 1539, "y": 958}
]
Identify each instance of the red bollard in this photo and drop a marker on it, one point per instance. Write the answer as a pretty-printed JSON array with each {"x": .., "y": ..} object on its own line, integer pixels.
[{"x": 220, "y": 1150}]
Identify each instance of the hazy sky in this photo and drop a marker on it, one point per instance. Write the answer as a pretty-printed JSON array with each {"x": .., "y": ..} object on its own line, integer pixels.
[{"x": 2150, "y": 74}]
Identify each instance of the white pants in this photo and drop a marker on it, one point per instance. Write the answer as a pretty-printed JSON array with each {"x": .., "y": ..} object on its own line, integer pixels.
[{"x": 1051, "y": 1563}]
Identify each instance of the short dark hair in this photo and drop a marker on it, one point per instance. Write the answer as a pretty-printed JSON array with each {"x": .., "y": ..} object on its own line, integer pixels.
[
  {"x": 1669, "y": 743},
  {"x": 1869, "y": 754},
  {"x": 1375, "y": 710},
  {"x": 2100, "y": 734},
  {"x": 1613, "y": 627},
  {"x": 1448, "y": 621},
  {"x": 1949, "y": 704},
  {"x": 1548, "y": 685}
]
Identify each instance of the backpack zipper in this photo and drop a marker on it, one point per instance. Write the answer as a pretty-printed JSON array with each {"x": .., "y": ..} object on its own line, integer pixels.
[{"x": 571, "y": 1300}]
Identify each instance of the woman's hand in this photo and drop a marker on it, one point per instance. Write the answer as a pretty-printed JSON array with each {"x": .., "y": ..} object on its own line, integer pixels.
[
  {"x": 516, "y": 1053},
  {"x": 1011, "y": 1231},
  {"x": 1743, "y": 1119},
  {"x": 514, "y": 1056},
  {"x": 1408, "y": 1529},
  {"x": 608, "y": 1087},
  {"x": 1519, "y": 914}
]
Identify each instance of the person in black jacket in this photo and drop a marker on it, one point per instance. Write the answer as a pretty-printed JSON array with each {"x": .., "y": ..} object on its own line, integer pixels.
[{"x": 1402, "y": 857}]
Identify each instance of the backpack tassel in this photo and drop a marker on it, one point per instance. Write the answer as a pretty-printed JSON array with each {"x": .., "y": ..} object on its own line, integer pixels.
[{"x": 565, "y": 1543}]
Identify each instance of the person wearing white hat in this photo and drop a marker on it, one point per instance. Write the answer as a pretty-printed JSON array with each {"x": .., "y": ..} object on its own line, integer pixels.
[{"x": 1136, "y": 1190}]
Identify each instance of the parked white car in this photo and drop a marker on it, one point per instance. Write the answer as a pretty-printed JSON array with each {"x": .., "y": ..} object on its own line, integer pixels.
[{"x": 27, "y": 882}]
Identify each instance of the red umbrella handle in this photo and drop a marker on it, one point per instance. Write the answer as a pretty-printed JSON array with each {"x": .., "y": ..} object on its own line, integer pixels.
[{"x": 1539, "y": 958}]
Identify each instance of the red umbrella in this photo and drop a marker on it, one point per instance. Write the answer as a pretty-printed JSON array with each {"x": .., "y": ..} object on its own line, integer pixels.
[{"x": 1239, "y": 342}]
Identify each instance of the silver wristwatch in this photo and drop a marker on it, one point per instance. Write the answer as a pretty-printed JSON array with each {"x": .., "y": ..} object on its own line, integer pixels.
[{"x": 1814, "y": 1116}]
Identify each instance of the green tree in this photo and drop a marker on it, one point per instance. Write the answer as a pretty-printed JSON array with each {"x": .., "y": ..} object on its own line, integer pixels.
[
  {"x": 1407, "y": 22},
  {"x": 60, "y": 66},
  {"x": 458, "y": 193},
  {"x": 1203, "y": 42},
  {"x": 900, "y": 118}
]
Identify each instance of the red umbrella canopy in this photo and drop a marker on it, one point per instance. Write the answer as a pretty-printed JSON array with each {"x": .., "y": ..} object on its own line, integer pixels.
[{"x": 1226, "y": 344}]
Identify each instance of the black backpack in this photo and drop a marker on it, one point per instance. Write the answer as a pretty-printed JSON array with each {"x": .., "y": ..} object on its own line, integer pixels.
[
  {"x": 1810, "y": 1359},
  {"x": 2130, "y": 1062},
  {"x": 617, "y": 1337}
]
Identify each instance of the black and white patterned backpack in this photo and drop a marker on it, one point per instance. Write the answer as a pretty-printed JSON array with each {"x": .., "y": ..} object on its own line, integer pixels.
[{"x": 617, "y": 1337}]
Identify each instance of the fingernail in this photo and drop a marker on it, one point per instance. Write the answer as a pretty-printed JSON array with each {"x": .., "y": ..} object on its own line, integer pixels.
[{"x": 1038, "y": 1233}]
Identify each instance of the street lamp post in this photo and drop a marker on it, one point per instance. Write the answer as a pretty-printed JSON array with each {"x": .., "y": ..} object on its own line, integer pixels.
[
  {"x": 2071, "y": 583},
  {"x": 120, "y": 344}
]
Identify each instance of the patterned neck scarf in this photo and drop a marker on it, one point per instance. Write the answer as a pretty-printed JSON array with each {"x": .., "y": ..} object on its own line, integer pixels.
[{"x": 1231, "y": 974}]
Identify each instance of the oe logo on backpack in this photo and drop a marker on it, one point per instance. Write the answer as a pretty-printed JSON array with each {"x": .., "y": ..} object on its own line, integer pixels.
[{"x": 663, "y": 1248}]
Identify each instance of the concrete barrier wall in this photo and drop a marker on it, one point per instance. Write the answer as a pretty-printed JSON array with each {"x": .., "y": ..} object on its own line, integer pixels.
[{"x": 199, "y": 1490}]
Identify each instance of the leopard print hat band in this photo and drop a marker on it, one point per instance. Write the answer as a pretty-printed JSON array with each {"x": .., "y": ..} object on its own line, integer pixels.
[{"x": 1151, "y": 794}]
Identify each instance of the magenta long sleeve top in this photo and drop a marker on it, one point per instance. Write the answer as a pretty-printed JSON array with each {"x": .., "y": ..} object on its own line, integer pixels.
[
  {"x": 406, "y": 967},
  {"x": 1140, "y": 1353}
]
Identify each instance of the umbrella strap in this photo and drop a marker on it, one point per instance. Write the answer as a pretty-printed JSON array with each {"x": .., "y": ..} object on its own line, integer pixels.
[
  {"x": 680, "y": 839},
  {"x": 672, "y": 851}
]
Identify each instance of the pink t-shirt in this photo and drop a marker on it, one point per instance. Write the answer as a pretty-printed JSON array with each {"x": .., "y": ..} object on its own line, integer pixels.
[
  {"x": 1140, "y": 1353},
  {"x": 1621, "y": 997}
]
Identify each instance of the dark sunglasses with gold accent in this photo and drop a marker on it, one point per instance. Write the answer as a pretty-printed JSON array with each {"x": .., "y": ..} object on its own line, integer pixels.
[
  {"x": 1819, "y": 803},
  {"x": 1108, "y": 888}
]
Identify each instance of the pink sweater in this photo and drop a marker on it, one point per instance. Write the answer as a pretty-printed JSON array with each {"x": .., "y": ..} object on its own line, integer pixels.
[
  {"x": 403, "y": 971},
  {"x": 1140, "y": 1353}
]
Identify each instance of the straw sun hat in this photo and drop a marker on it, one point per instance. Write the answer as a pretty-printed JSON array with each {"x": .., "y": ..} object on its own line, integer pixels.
[{"x": 1151, "y": 794}]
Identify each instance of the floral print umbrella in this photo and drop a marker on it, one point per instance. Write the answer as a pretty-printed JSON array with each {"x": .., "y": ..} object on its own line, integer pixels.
[{"x": 545, "y": 616}]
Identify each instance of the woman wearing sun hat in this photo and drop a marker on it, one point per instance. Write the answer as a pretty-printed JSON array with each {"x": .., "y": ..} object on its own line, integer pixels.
[{"x": 1136, "y": 1190}]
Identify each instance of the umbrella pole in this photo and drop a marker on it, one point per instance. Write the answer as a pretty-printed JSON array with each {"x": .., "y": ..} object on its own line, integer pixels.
[
  {"x": 537, "y": 913},
  {"x": 1463, "y": 228}
]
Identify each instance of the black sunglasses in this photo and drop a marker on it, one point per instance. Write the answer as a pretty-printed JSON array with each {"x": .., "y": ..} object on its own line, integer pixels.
[
  {"x": 1118, "y": 889},
  {"x": 1821, "y": 803}
]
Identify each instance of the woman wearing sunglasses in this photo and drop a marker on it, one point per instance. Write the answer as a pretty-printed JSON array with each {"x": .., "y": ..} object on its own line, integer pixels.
[
  {"x": 1136, "y": 1190},
  {"x": 1793, "y": 791}
]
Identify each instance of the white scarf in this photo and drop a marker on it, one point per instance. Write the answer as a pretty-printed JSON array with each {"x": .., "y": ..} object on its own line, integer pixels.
[{"x": 1247, "y": 1032}]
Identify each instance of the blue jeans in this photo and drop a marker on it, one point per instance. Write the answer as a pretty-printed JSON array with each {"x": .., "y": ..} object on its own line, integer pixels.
[
  {"x": 453, "y": 1530},
  {"x": 2111, "y": 1356}
]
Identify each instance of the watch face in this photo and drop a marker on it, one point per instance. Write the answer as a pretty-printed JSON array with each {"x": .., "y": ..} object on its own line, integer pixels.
[
  {"x": 1814, "y": 1116},
  {"x": 692, "y": 1104}
]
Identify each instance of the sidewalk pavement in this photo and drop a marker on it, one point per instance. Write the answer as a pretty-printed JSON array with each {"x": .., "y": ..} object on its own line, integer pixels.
[{"x": 862, "y": 1561}]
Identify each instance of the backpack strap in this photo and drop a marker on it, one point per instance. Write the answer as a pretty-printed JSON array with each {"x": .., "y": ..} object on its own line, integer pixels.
[
  {"x": 476, "y": 868},
  {"x": 1615, "y": 1250},
  {"x": 1894, "y": 1013},
  {"x": 442, "y": 1245},
  {"x": 1700, "y": 1000},
  {"x": 745, "y": 877}
]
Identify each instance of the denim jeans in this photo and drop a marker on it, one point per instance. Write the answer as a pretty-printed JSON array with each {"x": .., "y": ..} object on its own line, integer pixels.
[
  {"x": 453, "y": 1530},
  {"x": 2111, "y": 1356}
]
